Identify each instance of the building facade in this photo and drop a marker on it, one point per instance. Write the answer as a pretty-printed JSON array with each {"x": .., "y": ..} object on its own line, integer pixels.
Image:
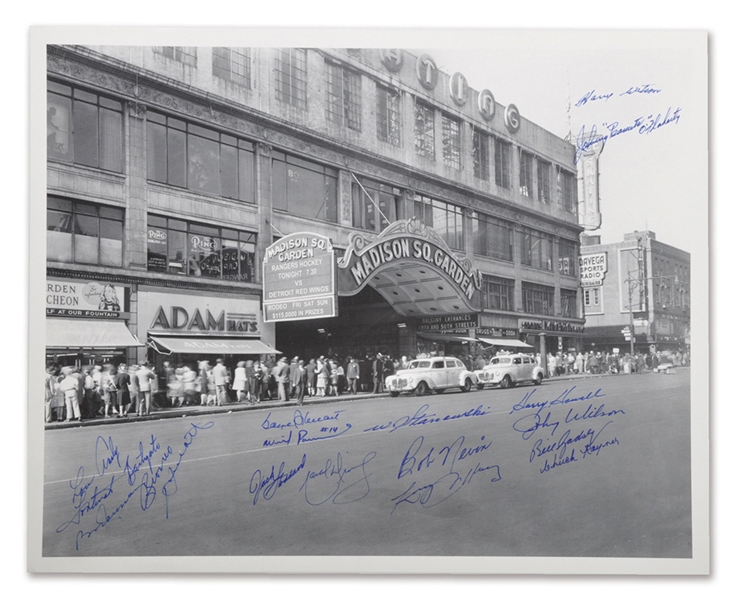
[
  {"x": 171, "y": 170},
  {"x": 636, "y": 290}
]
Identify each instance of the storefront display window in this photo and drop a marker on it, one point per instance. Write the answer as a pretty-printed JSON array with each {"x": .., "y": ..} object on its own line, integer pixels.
[{"x": 198, "y": 250}]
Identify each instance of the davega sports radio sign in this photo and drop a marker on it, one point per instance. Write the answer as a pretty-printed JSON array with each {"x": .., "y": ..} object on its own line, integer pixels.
[{"x": 593, "y": 268}]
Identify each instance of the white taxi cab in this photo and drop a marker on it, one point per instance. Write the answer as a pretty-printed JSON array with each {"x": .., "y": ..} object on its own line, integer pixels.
[
  {"x": 506, "y": 370},
  {"x": 436, "y": 373}
]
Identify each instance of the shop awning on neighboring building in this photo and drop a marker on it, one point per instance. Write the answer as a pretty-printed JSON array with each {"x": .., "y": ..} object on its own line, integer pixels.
[
  {"x": 188, "y": 345},
  {"x": 441, "y": 337},
  {"x": 87, "y": 333},
  {"x": 504, "y": 342}
]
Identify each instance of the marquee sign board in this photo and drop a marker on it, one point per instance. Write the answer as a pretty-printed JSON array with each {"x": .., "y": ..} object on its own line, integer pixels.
[{"x": 299, "y": 278}]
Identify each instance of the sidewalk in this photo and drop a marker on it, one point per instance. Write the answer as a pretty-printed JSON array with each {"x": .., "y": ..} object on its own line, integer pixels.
[{"x": 197, "y": 410}]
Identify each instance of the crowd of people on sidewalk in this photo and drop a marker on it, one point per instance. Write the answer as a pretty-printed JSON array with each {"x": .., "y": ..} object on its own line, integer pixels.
[
  {"x": 116, "y": 391},
  {"x": 595, "y": 363}
]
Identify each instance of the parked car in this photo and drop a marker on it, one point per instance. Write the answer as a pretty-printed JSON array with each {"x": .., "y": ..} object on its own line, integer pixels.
[
  {"x": 426, "y": 375},
  {"x": 507, "y": 370}
]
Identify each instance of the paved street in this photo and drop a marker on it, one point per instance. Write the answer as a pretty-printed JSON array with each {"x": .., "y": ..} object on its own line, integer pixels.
[{"x": 588, "y": 467}]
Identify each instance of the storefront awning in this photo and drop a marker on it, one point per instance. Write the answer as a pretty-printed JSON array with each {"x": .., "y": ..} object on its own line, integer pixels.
[
  {"x": 504, "y": 342},
  {"x": 185, "y": 345},
  {"x": 441, "y": 337},
  {"x": 87, "y": 333}
]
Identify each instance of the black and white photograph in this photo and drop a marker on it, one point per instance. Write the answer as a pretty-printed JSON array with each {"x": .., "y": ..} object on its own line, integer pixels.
[{"x": 369, "y": 301}]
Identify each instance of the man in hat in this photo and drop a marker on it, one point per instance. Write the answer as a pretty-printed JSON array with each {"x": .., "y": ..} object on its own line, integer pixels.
[
  {"x": 378, "y": 374},
  {"x": 219, "y": 371},
  {"x": 282, "y": 379}
]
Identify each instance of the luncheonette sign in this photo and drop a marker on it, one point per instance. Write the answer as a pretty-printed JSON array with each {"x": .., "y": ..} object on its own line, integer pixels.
[
  {"x": 85, "y": 299},
  {"x": 299, "y": 280},
  {"x": 593, "y": 268}
]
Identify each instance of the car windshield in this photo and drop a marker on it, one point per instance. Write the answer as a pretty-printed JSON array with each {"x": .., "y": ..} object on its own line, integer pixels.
[
  {"x": 501, "y": 360},
  {"x": 419, "y": 364}
]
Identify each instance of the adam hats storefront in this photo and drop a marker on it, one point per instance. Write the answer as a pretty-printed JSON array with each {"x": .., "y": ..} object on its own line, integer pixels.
[{"x": 187, "y": 326}]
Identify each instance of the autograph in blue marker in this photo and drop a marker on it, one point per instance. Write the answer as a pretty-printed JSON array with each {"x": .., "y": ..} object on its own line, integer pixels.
[{"x": 101, "y": 497}]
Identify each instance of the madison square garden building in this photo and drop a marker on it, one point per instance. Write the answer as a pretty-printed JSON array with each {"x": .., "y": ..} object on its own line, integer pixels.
[{"x": 197, "y": 196}]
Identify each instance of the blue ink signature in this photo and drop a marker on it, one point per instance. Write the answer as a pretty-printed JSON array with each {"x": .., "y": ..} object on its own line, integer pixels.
[
  {"x": 268, "y": 486},
  {"x": 564, "y": 398},
  {"x": 558, "y": 449},
  {"x": 644, "y": 89},
  {"x": 338, "y": 483},
  {"x": 422, "y": 417},
  {"x": 299, "y": 420},
  {"x": 416, "y": 461},
  {"x": 592, "y": 97},
  {"x": 644, "y": 125},
  {"x": 303, "y": 436},
  {"x": 87, "y": 500}
]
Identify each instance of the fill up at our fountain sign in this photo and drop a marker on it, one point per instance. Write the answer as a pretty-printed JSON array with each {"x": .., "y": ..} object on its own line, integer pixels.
[{"x": 299, "y": 280}]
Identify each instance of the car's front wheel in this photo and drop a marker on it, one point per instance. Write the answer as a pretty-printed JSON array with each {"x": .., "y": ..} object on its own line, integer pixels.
[
  {"x": 506, "y": 382},
  {"x": 467, "y": 385},
  {"x": 394, "y": 394},
  {"x": 422, "y": 388},
  {"x": 480, "y": 386},
  {"x": 538, "y": 379}
]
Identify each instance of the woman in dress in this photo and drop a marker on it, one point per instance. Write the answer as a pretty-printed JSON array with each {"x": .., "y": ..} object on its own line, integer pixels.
[
  {"x": 322, "y": 376},
  {"x": 240, "y": 381}
]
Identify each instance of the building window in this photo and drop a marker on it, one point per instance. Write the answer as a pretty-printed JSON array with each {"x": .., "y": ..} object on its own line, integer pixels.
[
  {"x": 568, "y": 258},
  {"x": 199, "y": 159},
  {"x": 569, "y": 303},
  {"x": 492, "y": 237},
  {"x": 497, "y": 293},
  {"x": 481, "y": 158},
  {"x": 502, "y": 161},
  {"x": 536, "y": 249},
  {"x": 388, "y": 117},
  {"x": 592, "y": 299},
  {"x": 343, "y": 96},
  {"x": 304, "y": 188},
  {"x": 543, "y": 188},
  {"x": 186, "y": 55},
  {"x": 451, "y": 141},
  {"x": 84, "y": 233},
  {"x": 291, "y": 77},
  {"x": 446, "y": 219},
  {"x": 424, "y": 130},
  {"x": 84, "y": 128},
  {"x": 568, "y": 190},
  {"x": 365, "y": 213},
  {"x": 525, "y": 174},
  {"x": 537, "y": 299},
  {"x": 182, "y": 248},
  {"x": 232, "y": 64}
]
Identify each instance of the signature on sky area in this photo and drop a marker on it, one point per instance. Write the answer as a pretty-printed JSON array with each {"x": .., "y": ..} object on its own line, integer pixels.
[{"x": 596, "y": 96}]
